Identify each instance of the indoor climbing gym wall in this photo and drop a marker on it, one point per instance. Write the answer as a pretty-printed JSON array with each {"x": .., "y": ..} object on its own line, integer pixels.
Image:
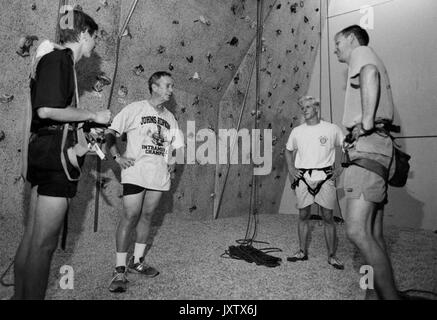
[
  {"x": 289, "y": 44},
  {"x": 209, "y": 47}
]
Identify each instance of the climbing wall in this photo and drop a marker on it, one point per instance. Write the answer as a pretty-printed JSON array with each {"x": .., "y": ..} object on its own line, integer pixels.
[
  {"x": 209, "y": 47},
  {"x": 290, "y": 41},
  {"x": 14, "y": 82},
  {"x": 201, "y": 43}
]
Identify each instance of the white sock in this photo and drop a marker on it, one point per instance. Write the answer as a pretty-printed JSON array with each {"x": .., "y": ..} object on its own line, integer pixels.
[
  {"x": 139, "y": 251},
  {"x": 121, "y": 259}
]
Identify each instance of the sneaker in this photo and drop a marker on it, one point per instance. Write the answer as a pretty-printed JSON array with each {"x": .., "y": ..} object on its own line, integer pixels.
[
  {"x": 142, "y": 268},
  {"x": 335, "y": 262},
  {"x": 298, "y": 256},
  {"x": 119, "y": 281}
]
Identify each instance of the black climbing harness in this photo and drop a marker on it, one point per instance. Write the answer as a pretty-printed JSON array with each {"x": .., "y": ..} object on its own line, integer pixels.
[
  {"x": 383, "y": 128},
  {"x": 313, "y": 191}
]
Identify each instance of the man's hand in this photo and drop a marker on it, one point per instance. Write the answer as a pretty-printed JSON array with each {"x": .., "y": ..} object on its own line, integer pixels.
[
  {"x": 102, "y": 117},
  {"x": 124, "y": 162},
  {"x": 294, "y": 174}
]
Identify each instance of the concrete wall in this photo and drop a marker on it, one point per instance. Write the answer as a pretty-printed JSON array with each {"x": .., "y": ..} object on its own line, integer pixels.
[{"x": 403, "y": 37}]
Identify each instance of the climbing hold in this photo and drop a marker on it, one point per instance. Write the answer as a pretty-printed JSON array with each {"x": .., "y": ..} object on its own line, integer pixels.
[
  {"x": 210, "y": 127},
  {"x": 288, "y": 51},
  {"x": 175, "y": 22},
  {"x": 104, "y": 2},
  {"x": 279, "y": 66},
  {"x": 103, "y": 34},
  {"x": 183, "y": 109},
  {"x": 195, "y": 76},
  {"x": 122, "y": 92},
  {"x": 192, "y": 208},
  {"x": 218, "y": 87},
  {"x": 302, "y": 4},
  {"x": 277, "y": 177},
  {"x": 269, "y": 126},
  {"x": 212, "y": 195},
  {"x": 196, "y": 101},
  {"x": 305, "y": 19},
  {"x": 179, "y": 195},
  {"x": 296, "y": 87},
  {"x": 24, "y": 45},
  {"x": 183, "y": 43},
  {"x": 33, "y": 7},
  {"x": 161, "y": 49},
  {"x": 6, "y": 98},
  {"x": 292, "y": 30},
  {"x": 278, "y": 6},
  {"x": 269, "y": 94},
  {"x": 293, "y": 8},
  {"x": 233, "y": 42},
  {"x": 2, "y": 135},
  {"x": 312, "y": 48},
  {"x": 203, "y": 20},
  {"x": 283, "y": 80},
  {"x": 170, "y": 66},
  {"x": 139, "y": 69},
  {"x": 274, "y": 140},
  {"x": 278, "y": 32},
  {"x": 209, "y": 56},
  {"x": 190, "y": 59},
  {"x": 126, "y": 33},
  {"x": 230, "y": 66},
  {"x": 237, "y": 78}
]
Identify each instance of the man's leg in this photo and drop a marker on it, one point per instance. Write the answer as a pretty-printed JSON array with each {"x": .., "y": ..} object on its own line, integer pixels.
[
  {"x": 136, "y": 264},
  {"x": 24, "y": 247},
  {"x": 331, "y": 237},
  {"x": 378, "y": 227},
  {"x": 49, "y": 216},
  {"x": 132, "y": 204},
  {"x": 150, "y": 203},
  {"x": 303, "y": 233},
  {"x": 359, "y": 231}
]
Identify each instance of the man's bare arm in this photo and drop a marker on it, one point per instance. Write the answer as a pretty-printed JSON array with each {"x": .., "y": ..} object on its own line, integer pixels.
[
  {"x": 370, "y": 90},
  {"x": 71, "y": 114}
]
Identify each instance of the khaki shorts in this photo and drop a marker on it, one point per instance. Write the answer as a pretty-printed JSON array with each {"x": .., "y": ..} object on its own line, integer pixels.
[
  {"x": 326, "y": 197},
  {"x": 359, "y": 181}
]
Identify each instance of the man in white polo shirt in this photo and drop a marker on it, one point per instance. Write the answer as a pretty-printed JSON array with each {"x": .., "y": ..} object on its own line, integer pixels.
[{"x": 310, "y": 158}]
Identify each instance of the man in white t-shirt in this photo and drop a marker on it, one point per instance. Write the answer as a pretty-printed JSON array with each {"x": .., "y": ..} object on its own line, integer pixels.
[
  {"x": 152, "y": 133},
  {"x": 310, "y": 158}
]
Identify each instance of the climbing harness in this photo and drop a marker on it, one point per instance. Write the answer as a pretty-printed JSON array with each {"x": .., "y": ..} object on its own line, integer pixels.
[{"x": 313, "y": 191}]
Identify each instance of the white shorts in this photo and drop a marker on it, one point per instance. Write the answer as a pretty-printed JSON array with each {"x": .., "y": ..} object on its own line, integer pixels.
[{"x": 326, "y": 197}]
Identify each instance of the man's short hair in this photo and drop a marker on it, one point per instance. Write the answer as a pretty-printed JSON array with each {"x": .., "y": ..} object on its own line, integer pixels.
[
  {"x": 308, "y": 100},
  {"x": 156, "y": 76},
  {"x": 81, "y": 23},
  {"x": 359, "y": 33}
]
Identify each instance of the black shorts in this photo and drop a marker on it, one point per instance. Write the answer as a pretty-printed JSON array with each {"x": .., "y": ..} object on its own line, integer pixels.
[
  {"x": 129, "y": 188},
  {"x": 45, "y": 168}
]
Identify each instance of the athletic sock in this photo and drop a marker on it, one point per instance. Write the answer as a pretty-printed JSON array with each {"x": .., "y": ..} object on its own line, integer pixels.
[
  {"x": 139, "y": 251},
  {"x": 121, "y": 259}
]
